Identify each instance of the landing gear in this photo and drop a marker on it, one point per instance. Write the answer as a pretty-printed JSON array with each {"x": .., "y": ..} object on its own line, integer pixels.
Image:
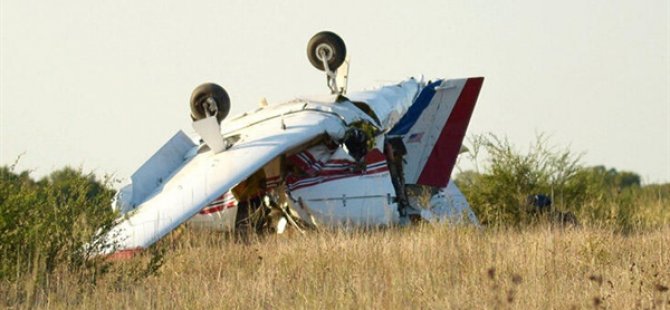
[
  {"x": 209, "y": 99},
  {"x": 326, "y": 52}
]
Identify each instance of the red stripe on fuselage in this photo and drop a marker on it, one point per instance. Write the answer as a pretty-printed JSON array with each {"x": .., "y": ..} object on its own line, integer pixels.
[
  {"x": 374, "y": 160},
  {"x": 218, "y": 208},
  {"x": 124, "y": 254},
  {"x": 326, "y": 179},
  {"x": 225, "y": 201},
  {"x": 442, "y": 159}
]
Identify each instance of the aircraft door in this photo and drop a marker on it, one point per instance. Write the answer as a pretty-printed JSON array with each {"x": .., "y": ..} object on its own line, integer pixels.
[
  {"x": 360, "y": 200},
  {"x": 342, "y": 196}
]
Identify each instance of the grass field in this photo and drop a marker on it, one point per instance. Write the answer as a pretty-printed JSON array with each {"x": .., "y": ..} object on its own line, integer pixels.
[
  {"x": 618, "y": 259},
  {"x": 421, "y": 267}
]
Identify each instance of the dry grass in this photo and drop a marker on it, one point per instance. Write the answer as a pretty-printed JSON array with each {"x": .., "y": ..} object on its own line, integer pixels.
[{"x": 421, "y": 267}]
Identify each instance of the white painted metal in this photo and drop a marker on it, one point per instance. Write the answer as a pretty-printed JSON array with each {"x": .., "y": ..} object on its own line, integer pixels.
[
  {"x": 158, "y": 168},
  {"x": 210, "y": 132},
  {"x": 389, "y": 102},
  {"x": 429, "y": 126},
  {"x": 342, "y": 78},
  {"x": 193, "y": 176},
  {"x": 358, "y": 200},
  {"x": 206, "y": 176},
  {"x": 449, "y": 205}
]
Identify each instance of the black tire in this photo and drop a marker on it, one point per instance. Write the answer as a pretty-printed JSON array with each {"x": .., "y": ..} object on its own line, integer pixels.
[
  {"x": 202, "y": 93},
  {"x": 333, "y": 43}
]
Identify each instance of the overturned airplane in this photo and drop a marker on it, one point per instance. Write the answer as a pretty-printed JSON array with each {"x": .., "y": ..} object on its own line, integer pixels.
[{"x": 373, "y": 158}]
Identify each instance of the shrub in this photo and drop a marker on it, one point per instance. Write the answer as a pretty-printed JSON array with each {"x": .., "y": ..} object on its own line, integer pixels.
[
  {"x": 499, "y": 185},
  {"x": 45, "y": 224},
  {"x": 498, "y": 194}
]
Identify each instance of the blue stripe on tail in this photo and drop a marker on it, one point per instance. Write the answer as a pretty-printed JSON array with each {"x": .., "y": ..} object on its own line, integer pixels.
[{"x": 409, "y": 119}]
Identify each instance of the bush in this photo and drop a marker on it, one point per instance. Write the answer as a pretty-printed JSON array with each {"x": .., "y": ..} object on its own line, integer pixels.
[
  {"x": 498, "y": 194},
  {"x": 498, "y": 187},
  {"x": 45, "y": 224}
]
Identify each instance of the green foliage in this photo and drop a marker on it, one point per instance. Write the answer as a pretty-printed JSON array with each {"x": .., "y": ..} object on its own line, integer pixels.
[
  {"x": 498, "y": 194},
  {"x": 45, "y": 224},
  {"x": 498, "y": 187}
]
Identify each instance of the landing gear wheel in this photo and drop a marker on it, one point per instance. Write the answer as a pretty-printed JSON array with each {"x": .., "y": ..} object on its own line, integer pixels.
[
  {"x": 209, "y": 99},
  {"x": 329, "y": 45}
]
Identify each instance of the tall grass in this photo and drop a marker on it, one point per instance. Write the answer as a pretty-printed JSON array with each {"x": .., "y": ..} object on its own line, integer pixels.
[
  {"x": 420, "y": 267},
  {"x": 618, "y": 258}
]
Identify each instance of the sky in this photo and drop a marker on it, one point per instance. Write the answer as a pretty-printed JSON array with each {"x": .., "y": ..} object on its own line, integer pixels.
[{"x": 101, "y": 85}]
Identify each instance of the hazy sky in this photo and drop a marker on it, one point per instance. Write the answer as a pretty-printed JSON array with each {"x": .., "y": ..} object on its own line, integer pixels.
[{"x": 103, "y": 84}]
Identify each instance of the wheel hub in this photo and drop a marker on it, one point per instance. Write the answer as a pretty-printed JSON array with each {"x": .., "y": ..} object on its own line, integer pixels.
[
  {"x": 324, "y": 52},
  {"x": 210, "y": 107}
]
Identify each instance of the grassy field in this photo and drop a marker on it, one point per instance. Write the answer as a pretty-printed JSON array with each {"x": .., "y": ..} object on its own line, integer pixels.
[
  {"x": 618, "y": 259},
  {"x": 421, "y": 267}
]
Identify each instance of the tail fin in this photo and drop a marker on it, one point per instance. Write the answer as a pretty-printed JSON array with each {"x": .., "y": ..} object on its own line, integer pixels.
[{"x": 433, "y": 129}]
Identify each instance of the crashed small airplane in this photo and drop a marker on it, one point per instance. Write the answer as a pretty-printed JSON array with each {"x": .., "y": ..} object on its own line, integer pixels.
[{"x": 373, "y": 158}]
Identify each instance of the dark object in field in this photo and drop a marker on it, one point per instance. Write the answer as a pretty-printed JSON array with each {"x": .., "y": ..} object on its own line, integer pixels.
[
  {"x": 541, "y": 202},
  {"x": 540, "y": 206}
]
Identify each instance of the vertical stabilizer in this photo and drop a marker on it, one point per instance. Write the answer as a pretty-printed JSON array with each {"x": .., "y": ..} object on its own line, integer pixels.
[{"x": 433, "y": 129}]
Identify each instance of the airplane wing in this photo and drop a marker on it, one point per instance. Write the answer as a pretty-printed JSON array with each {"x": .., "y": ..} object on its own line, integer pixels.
[
  {"x": 433, "y": 129},
  {"x": 208, "y": 175}
]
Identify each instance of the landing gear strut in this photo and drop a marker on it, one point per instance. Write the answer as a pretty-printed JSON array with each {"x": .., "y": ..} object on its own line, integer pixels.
[{"x": 326, "y": 52}]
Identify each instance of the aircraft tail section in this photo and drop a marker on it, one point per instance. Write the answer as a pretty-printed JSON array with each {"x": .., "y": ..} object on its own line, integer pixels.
[{"x": 433, "y": 129}]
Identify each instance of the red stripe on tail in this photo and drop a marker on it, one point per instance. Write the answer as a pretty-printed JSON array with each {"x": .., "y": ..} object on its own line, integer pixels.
[{"x": 437, "y": 170}]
